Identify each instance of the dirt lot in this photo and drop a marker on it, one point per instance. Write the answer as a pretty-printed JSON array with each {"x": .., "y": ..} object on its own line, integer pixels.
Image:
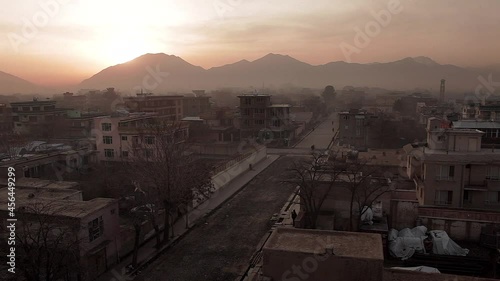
[{"x": 220, "y": 247}]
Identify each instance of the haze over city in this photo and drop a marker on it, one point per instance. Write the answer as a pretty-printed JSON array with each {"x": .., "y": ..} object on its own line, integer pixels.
[
  {"x": 250, "y": 140},
  {"x": 83, "y": 37}
]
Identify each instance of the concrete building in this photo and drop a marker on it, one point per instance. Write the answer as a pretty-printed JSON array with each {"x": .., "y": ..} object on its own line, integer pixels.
[
  {"x": 34, "y": 116},
  {"x": 169, "y": 106},
  {"x": 95, "y": 224},
  {"x": 491, "y": 129},
  {"x": 454, "y": 171},
  {"x": 195, "y": 105},
  {"x": 315, "y": 255},
  {"x": 216, "y": 126},
  {"x": 70, "y": 100},
  {"x": 299, "y": 254},
  {"x": 6, "y": 122},
  {"x": 46, "y": 161},
  {"x": 354, "y": 129},
  {"x": 260, "y": 118},
  {"x": 116, "y": 136}
]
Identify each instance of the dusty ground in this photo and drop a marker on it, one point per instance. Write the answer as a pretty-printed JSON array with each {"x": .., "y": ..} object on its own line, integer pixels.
[{"x": 220, "y": 248}]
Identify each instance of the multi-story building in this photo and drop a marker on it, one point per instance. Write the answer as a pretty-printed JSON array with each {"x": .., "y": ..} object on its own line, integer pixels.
[
  {"x": 491, "y": 129},
  {"x": 260, "y": 118},
  {"x": 195, "y": 105},
  {"x": 216, "y": 126},
  {"x": 454, "y": 171},
  {"x": 88, "y": 231},
  {"x": 117, "y": 136},
  {"x": 5, "y": 119},
  {"x": 34, "y": 116},
  {"x": 46, "y": 161},
  {"x": 69, "y": 100},
  {"x": 169, "y": 106},
  {"x": 353, "y": 128}
]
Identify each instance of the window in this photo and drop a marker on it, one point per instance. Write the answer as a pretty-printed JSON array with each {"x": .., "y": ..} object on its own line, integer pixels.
[
  {"x": 33, "y": 118},
  {"x": 106, "y": 127},
  {"x": 445, "y": 172},
  {"x": 259, "y": 122},
  {"x": 358, "y": 132},
  {"x": 36, "y": 108},
  {"x": 149, "y": 140},
  {"x": 109, "y": 153},
  {"x": 107, "y": 140},
  {"x": 15, "y": 118},
  {"x": 96, "y": 228},
  {"x": 247, "y": 101},
  {"x": 345, "y": 117},
  {"x": 26, "y": 108},
  {"x": 148, "y": 153},
  {"x": 112, "y": 211},
  {"x": 493, "y": 173},
  {"x": 493, "y": 198},
  {"x": 124, "y": 154},
  {"x": 444, "y": 197},
  {"x": 124, "y": 138},
  {"x": 467, "y": 196},
  {"x": 135, "y": 140}
]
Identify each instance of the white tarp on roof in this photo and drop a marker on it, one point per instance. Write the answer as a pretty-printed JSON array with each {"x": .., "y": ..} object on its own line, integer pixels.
[
  {"x": 443, "y": 245},
  {"x": 403, "y": 244}
]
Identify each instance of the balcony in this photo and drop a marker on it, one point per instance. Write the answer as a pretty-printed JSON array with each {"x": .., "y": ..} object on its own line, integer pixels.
[
  {"x": 479, "y": 186},
  {"x": 442, "y": 202},
  {"x": 492, "y": 203}
]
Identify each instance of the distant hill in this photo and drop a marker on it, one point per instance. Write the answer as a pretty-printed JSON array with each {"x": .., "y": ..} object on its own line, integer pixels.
[
  {"x": 10, "y": 84},
  {"x": 278, "y": 70}
]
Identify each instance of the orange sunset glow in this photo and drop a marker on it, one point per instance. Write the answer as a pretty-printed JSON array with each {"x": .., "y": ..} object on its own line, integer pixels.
[{"x": 75, "y": 39}]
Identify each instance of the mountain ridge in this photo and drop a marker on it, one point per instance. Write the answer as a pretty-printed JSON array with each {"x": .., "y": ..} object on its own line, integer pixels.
[{"x": 161, "y": 73}]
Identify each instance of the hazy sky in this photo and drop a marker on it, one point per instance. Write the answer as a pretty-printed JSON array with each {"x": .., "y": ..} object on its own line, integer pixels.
[{"x": 57, "y": 42}]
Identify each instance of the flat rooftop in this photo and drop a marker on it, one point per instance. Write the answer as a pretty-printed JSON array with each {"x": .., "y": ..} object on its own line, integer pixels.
[
  {"x": 476, "y": 124},
  {"x": 345, "y": 244},
  {"x": 41, "y": 184},
  {"x": 25, "y": 194},
  {"x": 483, "y": 156},
  {"x": 254, "y": 95},
  {"x": 57, "y": 207}
]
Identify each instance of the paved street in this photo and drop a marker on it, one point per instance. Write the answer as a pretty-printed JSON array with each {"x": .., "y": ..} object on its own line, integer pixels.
[
  {"x": 221, "y": 246},
  {"x": 320, "y": 138}
]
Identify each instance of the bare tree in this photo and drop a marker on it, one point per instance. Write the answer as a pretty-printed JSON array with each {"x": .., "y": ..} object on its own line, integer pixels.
[
  {"x": 48, "y": 243},
  {"x": 315, "y": 177},
  {"x": 365, "y": 184},
  {"x": 168, "y": 172},
  {"x": 12, "y": 144}
]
